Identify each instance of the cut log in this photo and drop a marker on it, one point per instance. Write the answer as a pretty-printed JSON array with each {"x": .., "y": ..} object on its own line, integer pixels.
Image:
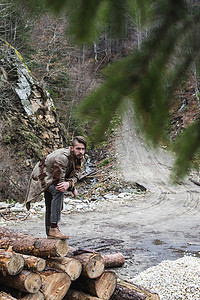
[
  {"x": 36, "y": 246},
  {"x": 71, "y": 266},
  {"x": 111, "y": 260},
  {"x": 10, "y": 263},
  {"x": 5, "y": 296},
  {"x": 77, "y": 295},
  {"x": 25, "y": 281},
  {"x": 92, "y": 264},
  {"x": 114, "y": 260},
  {"x": 34, "y": 263},
  {"x": 101, "y": 287},
  {"x": 16, "y": 294},
  {"x": 129, "y": 291},
  {"x": 6, "y": 232},
  {"x": 55, "y": 284},
  {"x": 36, "y": 296}
]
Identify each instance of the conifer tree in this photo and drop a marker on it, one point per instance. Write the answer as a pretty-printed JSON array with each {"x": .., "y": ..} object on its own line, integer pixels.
[{"x": 149, "y": 76}]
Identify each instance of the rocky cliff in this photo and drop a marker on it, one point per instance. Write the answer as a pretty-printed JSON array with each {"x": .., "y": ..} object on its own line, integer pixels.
[{"x": 28, "y": 124}]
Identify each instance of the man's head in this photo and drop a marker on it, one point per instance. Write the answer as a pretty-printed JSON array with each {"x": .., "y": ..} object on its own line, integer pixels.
[{"x": 78, "y": 147}]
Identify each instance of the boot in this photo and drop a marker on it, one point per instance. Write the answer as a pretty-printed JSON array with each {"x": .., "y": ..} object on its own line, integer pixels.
[{"x": 55, "y": 233}]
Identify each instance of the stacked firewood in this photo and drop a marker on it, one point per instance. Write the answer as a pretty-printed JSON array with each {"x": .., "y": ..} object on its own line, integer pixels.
[{"x": 38, "y": 268}]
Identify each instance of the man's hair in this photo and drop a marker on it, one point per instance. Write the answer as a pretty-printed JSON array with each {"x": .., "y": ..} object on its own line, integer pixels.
[{"x": 79, "y": 139}]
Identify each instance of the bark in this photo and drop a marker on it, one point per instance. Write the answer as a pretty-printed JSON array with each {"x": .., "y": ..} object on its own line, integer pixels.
[
  {"x": 35, "y": 246},
  {"x": 5, "y": 296},
  {"x": 110, "y": 260},
  {"x": 10, "y": 263},
  {"x": 101, "y": 287},
  {"x": 34, "y": 263},
  {"x": 71, "y": 266},
  {"x": 25, "y": 281},
  {"x": 114, "y": 260},
  {"x": 77, "y": 295},
  {"x": 129, "y": 291},
  {"x": 92, "y": 264},
  {"x": 55, "y": 284}
]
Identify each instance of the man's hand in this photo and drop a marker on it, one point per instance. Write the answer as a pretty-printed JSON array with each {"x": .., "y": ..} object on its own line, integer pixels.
[
  {"x": 75, "y": 192},
  {"x": 63, "y": 186}
]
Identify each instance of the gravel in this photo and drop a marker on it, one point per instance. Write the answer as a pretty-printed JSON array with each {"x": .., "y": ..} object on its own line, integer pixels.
[{"x": 179, "y": 279}]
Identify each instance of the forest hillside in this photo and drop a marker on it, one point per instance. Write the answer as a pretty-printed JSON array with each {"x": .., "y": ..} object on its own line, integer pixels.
[{"x": 44, "y": 76}]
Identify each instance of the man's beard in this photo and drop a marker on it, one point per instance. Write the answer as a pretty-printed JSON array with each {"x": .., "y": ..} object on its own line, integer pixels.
[{"x": 79, "y": 156}]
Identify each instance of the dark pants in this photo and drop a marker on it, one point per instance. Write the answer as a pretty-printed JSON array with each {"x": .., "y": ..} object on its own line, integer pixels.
[{"x": 54, "y": 203}]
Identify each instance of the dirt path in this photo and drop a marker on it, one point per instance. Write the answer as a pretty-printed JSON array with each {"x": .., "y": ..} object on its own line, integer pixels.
[{"x": 163, "y": 225}]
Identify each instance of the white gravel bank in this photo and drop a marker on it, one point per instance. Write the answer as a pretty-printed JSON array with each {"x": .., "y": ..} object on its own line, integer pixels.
[{"x": 179, "y": 279}]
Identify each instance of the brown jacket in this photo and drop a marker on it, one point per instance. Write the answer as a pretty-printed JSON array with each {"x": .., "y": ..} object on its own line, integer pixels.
[{"x": 56, "y": 167}]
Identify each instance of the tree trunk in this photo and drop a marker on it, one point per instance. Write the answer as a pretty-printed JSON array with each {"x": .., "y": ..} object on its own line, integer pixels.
[
  {"x": 129, "y": 291},
  {"x": 36, "y": 296},
  {"x": 35, "y": 246},
  {"x": 25, "y": 281},
  {"x": 5, "y": 296},
  {"x": 34, "y": 263},
  {"x": 113, "y": 260},
  {"x": 55, "y": 284},
  {"x": 10, "y": 263},
  {"x": 92, "y": 264},
  {"x": 77, "y": 295},
  {"x": 101, "y": 287},
  {"x": 71, "y": 266}
]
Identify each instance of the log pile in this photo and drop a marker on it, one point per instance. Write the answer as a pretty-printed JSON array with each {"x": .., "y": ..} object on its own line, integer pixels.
[{"x": 36, "y": 269}]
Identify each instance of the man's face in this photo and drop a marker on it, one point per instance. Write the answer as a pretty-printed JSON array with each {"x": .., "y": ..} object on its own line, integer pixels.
[{"x": 78, "y": 150}]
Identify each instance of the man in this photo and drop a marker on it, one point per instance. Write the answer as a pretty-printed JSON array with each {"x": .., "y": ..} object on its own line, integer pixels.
[{"x": 53, "y": 175}]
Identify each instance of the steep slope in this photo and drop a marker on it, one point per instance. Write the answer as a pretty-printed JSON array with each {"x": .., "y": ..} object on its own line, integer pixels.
[{"x": 28, "y": 124}]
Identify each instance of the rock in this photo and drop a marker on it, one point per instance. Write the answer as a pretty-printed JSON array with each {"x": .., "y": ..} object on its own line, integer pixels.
[{"x": 30, "y": 128}]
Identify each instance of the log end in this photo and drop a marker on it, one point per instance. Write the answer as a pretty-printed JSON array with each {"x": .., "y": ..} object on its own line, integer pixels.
[
  {"x": 61, "y": 248},
  {"x": 95, "y": 266},
  {"x": 15, "y": 264},
  {"x": 73, "y": 269},
  {"x": 41, "y": 265},
  {"x": 55, "y": 284},
  {"x": 33, "y": 283},
  {"x": 106, "y": 284}
]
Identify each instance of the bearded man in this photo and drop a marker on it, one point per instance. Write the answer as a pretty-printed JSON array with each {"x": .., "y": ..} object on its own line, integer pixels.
[{"x": 54, "y": 174}]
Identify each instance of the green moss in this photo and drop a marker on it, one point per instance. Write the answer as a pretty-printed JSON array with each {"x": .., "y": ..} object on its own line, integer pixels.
[{"x": 19, "y": 56}]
